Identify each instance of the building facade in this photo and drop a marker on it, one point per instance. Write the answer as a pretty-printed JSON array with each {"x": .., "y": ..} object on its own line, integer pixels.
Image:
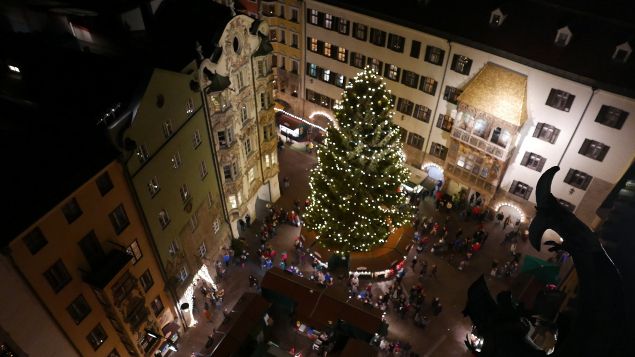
[
  {"x": 237, "y": 82},
  {"x": 286, "y": 22},
  {"x": 171, "y": 169},
  {"x": 22, "y": 315},
  {"x": 91, "y": 265},
  {"x": 567, "y": 120}
]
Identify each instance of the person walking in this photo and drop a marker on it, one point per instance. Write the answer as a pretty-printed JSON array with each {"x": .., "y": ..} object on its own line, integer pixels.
[
  {"x": 414, "y": 261},
  {"x": 247, "y": 220},
  {"x": 433, "y": 271},
  {"x": 241, "y": 224}
]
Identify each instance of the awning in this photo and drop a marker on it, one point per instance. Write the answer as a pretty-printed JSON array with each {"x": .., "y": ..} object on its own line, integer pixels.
[{"x": 542, "y": 270}]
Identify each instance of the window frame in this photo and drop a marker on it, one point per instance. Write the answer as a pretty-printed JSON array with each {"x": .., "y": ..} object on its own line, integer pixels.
[
  {"x": 560, "y": 100},
  {"x": 146, "y": 280},
  {"x": 57, "y": 279},
  {"x": 438, "y": 150},
  {"x": 594, "y": 149},
  {"x": 396, "y": 43},
  {"x": 533, "y": 161},
  {"x": 543, "y": 128},
  {"x": 415, "y": 140},
  {"x": 514, "y": 189},
  {"x": 428, "y": 85},
  {"x": 35, "y": 240},
  {"x": 377, "y": 37},
  {"x": 415, "y": 49},
  {"x": 409, "y": 78},
  {"x": 93, "y": 340},
  {"x": 104, "y": 183},
  {"x": 119, "y": 223},
  {"x": 611, "y": 116},
  {"x": 360, "y": 31},
  {"x": 461, "y": 64},
  {"x": 71, "y": 210},
  {"x": 136, "y": 254},
  {"x": 422, "y": 113},
  {"x": 79, "y": 309},
  {"x": 574, "y": 175},
  {"x": 434, "y": 55},
  {"x": 155, "y": 307}
]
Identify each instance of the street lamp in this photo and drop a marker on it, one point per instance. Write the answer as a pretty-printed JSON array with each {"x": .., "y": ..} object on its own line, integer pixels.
[{"x": 171, "y": 345}]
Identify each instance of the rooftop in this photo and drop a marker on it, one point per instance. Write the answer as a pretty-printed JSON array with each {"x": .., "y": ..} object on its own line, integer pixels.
[
  {"x": 588, "y": 58},
  {"x": 498, "y": 91}
]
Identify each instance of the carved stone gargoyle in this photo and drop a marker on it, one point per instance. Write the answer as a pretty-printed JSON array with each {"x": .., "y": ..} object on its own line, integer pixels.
[{"x": 598, "y": 328}]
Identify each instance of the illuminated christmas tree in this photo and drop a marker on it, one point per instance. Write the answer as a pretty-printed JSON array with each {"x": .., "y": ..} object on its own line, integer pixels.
[{"x": 356, "y": 196}]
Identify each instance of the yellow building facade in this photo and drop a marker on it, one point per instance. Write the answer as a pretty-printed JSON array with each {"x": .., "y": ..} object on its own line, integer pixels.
[{"x": 91, "y": 264}]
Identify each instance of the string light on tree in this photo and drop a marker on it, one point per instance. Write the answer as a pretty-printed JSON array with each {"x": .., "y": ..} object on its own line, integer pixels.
[{"x": 356, "y": 200}]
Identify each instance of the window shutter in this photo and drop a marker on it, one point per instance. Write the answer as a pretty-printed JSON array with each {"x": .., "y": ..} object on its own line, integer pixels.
[
  {"x": 440, "y": 121},
  {"x": 587, "y": 181},
  {"x": 569, "y": 102},
  {"x": 528, "y": 192},
  {"x": 569, "y": 176},
  {"x": 551, "y": 97},
  {"x": 434, "y": 88},
  {"x": 386, "y": 71},
  {"x": 622, "y": 119},
  {"x": 403, "y": 80},
  {"x": 512, "y": 189},
  {"x": 352, "y": 59},
  {"x": 541, "y": 164},
  {"x": 308, "y": 16},
  {"x": 320, "y": 19},
  {"x": 525, "y": 158},
  {"x": 355, "y": 29},
  {"x": 605, "y": 149},
  {"x": 554, "y": 137},
  {"x": 428, "y": 50},
  {"x": 584, "y": 147},
  {"x": 454, "y": 60},
  {"x": 336, "y": 24},
  {"x": 398, "y": 73},
  {"x": 402, "y": 43},
  {"x": 537, "y": 131},
  {"x": 334, "y": 51}
]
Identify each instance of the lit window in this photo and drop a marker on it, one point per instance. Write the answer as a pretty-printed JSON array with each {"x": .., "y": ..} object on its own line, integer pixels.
[
  {"x": 164, "y": 218},
  {"x": 14, "y": 69},
  {"x": 176, "y": 160},
  {"x": 233, "y": 203},
  {"x": 134, "y": 251},
  {"x": 327, "y": 49},
  {"x": 196, "y": 138},
  {"x": 251, "y": 174},
  {"x": 153, "y": 186},
  {"x": 341, "y": 54},
  {"x": 314, "y": 45}
]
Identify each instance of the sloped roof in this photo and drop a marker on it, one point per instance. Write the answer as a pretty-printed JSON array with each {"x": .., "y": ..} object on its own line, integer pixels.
[{"x": 498, "y": 91}]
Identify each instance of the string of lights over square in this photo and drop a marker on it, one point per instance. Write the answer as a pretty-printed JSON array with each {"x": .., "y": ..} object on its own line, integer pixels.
[{"x": 356, "y": 195}]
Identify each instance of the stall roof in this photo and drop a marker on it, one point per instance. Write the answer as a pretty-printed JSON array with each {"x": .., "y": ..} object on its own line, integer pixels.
[
  {"x": 303, "y": 291},
  {"x": 245, "y": 316},
  {"x": 387, "y": 255},
  {"x": 322, "y": 307}
]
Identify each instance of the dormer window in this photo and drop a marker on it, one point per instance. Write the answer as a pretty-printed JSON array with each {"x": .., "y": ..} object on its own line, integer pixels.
[
  {"x": 563, "y": 37},
  {"x": 496, "y": 18},
  {"x": 622, "y": 52}
]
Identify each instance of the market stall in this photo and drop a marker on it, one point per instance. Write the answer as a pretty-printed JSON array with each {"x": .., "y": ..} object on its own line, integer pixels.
[{"x": 383, "y": 261}]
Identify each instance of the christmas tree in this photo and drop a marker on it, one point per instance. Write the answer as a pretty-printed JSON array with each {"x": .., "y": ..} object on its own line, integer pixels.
[{"x": 356, "y": 196}]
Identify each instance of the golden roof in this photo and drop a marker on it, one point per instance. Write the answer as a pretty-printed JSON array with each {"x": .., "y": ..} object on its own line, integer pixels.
[{"x": 498, "y": 91}]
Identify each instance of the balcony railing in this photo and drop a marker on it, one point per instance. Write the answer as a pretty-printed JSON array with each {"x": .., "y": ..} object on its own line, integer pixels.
[{"x": 481, "y": 144}]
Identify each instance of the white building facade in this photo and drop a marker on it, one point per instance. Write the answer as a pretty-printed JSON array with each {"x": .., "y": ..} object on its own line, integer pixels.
[{"x": 587, "y": 132}]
